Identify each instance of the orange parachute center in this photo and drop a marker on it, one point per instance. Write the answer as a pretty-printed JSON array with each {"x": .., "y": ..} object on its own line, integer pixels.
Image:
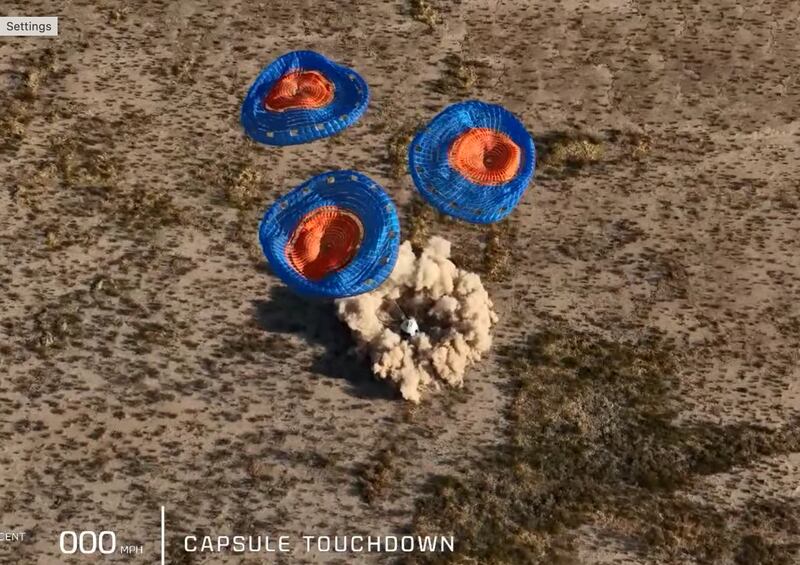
[
  {"x": 485, "y": 156},
  {"x": 324, "y": 241},
  {"x": 299, "y": 89}
]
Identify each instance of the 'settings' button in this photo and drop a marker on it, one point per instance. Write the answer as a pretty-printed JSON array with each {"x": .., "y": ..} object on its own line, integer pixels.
[{"x": 28, "y": 27}]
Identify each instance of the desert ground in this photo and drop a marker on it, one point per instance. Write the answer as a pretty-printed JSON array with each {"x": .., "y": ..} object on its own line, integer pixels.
[{"x": 640, "y": 403}]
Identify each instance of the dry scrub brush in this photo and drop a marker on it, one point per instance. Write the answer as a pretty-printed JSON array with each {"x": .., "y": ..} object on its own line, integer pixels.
[{"x": 593, "y": 432}]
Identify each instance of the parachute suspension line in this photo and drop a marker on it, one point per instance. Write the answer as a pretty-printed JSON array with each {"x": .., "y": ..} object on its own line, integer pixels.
[{"x": 399, "y": 309}]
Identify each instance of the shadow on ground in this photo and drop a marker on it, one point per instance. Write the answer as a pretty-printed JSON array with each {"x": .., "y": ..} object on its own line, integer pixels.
[{"x": 285, "y": 312}]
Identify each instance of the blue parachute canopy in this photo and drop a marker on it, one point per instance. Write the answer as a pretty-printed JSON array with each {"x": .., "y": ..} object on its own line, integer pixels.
[
  {"x": 300, "y": 97},
  {"x": 335, "y": 235},
  {"x": 473, "y": 161}
]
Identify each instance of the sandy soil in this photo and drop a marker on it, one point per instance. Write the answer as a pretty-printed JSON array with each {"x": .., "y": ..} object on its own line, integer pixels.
[{"x": 147, "y": 356}]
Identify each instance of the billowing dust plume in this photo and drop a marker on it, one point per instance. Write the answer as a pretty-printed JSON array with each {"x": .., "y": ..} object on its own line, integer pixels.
[{"x": 455, "y": 318}]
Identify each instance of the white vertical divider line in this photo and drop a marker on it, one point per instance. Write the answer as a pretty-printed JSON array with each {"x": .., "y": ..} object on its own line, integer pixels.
[{"x": 163, "y": 537}]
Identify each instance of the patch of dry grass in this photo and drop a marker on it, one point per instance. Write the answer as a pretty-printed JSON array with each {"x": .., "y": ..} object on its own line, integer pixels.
[
  {"x": 60, "y": 236},
  {"x": 489, "y": 250},
  {"x": 377, "y": 477},
  {"x": 41, "y": 65},
  {"x": 593, "y": 430},
  {"x": 56, "y": 325},
  {"x": 244, "y": 187},
  {"x": 460, "y": 75},
  {"x": 183, "y": 68},
  {"x": 634, "y": 145},
  {"x": 258, "y": 470},
  {"x": 13, "y": 121},
  {"x": 147, "y": 209},
  {"x": 79, "y": 165},
  {"x": 562, "y": 153},
  {"x": 641, "y": 146},
  {"x": 18, "y": 103},
  {"x": 243, "y": 182},
  {"x": 397, "y": 148},
  {"x": 419, "y": 217},
  {"x": 116, "y": 15},
  {"x": 498, "y": 254},
  {"x": 423, "y": 11},
  {"x": 31, "y": 81},
  {"x": 570, "y": 151}
]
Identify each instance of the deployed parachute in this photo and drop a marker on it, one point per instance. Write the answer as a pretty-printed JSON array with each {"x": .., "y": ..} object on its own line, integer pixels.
[
  {"x": 335, "y": 235},
  {"x": 300, "y": 97},
  {"x": 473, "y": 161}
]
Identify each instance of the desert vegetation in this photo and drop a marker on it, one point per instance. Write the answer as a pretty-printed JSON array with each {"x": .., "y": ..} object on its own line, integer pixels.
[{"x": 593, "y": 433}]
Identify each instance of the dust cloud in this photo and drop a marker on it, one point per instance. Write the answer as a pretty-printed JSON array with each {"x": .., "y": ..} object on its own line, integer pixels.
[{"x": 453, "y": 309}]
